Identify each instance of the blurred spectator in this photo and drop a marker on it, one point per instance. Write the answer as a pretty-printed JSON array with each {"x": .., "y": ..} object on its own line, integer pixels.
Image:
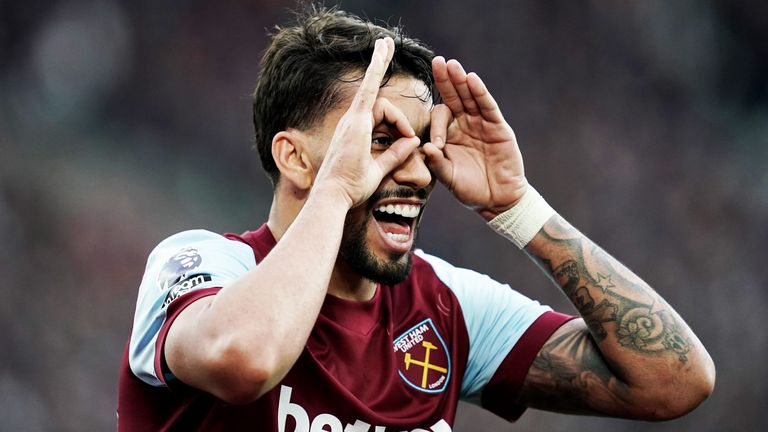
[{"x": 645, "y": 123}]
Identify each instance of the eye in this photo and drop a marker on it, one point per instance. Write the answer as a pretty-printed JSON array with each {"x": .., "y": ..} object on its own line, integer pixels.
[{"x": 381, "y": 142}]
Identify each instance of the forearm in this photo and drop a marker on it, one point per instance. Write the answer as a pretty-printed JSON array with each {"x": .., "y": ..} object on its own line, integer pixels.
[
  {"x": 637, "y": 347},
  {"x": 646, "y": 345},
  {"x": 253, "y": 330}
]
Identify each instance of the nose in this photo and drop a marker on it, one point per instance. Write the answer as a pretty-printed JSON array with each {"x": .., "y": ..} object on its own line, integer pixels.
[{"x": 413, "y": 172}]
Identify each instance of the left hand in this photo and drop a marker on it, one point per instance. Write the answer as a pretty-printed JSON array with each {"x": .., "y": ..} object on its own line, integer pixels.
[{"x": 472, "y": 149}]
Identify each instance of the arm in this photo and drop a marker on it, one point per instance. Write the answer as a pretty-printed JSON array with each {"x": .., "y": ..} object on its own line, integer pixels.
[
  {"x": 631, "y": 355},
  {"x": 240, "y": 343}
]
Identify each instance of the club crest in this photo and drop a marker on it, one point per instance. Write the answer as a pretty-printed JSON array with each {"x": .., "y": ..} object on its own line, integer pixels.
[{"x": 423, "y": 361}]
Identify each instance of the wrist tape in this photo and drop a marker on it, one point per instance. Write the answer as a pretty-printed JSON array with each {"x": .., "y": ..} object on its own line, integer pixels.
[{"x": 521, "y": 222}]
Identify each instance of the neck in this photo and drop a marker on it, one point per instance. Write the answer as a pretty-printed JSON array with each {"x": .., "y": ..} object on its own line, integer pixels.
[
  {"x": 282, "y": 213},
  {"x": 344, "y": 283},
  {"x": 347, "y": 284}
]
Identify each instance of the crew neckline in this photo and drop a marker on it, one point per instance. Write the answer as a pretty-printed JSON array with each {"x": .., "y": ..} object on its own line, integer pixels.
[{"x": 359, "y": 316}]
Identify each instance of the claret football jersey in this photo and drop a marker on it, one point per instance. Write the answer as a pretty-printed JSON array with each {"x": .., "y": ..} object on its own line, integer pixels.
[{"x": 398, "y": 362}]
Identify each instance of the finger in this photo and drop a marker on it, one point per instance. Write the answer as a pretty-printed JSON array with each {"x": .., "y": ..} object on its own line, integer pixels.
[
  {"x": 487, "y": 104},
  {"x": 441, "y": 117},
  {"x": 440, "y": 166},
  {"x": 459, "y": 79},
  {"x": 397, "y": 153},
  {"x": 444, "y": 85},
  {"x": 365, "y": 96},
  {"x": 386, "y": 111}
]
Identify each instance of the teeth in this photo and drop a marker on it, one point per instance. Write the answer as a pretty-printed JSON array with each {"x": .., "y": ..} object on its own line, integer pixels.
[
  {"x": 405, "y": 210},
  {"x": 401, "y": 238}
]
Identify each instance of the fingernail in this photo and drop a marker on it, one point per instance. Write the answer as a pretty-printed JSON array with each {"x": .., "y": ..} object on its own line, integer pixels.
[{"x": 438, "y": 141}]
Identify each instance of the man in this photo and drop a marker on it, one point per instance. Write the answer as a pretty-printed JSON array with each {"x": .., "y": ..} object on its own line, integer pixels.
[{"x": 325, "y": 319}]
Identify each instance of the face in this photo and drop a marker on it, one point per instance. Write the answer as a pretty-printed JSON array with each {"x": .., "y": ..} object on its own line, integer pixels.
[{"x": 379, "y": 235}]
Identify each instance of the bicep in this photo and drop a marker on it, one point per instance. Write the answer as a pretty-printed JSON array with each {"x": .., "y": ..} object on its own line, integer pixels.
[
  {"x": 570, "y": 375},
  {"x": 199, "y": 352},
  {"x": 185, "y": 349}
]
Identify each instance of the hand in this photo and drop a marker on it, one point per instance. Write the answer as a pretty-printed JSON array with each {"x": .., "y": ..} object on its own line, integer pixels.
[
  {"x": 348, "y": 166},
  {"x": 472, "y": 149}
]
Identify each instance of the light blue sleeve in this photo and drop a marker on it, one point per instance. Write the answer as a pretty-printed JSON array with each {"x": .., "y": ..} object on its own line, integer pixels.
[
  {"x": 496, "y": 317},
  {"x": 181, "y": 264}
]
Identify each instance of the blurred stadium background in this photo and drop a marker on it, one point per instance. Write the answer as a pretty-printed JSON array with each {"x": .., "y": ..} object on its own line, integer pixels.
[{"x": 644, "y": 123}]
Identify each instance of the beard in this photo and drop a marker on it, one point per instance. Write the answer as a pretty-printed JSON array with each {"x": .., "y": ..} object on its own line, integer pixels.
[{"x": 357, "y": 254}]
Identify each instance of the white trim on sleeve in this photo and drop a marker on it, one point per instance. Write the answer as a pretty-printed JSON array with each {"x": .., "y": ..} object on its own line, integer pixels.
[{"x": 182, "y": 263}]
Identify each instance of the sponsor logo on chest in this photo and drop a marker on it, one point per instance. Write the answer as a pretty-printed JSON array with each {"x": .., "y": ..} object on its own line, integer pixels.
[
  {"x": 292, "y": 417},
  {"x": 423, "y": 361}
]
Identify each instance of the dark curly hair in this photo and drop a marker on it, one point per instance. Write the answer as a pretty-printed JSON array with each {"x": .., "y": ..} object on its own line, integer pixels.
[{"x": 302, "y": 68}]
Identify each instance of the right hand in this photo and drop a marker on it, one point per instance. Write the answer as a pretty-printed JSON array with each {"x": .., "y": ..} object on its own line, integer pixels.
[{"x": 348, "y": 166}]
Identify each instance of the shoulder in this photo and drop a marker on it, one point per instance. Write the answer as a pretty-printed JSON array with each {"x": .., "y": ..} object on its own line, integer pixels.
[
  {"x": 427, "y": 265},
  {"x": 197, "y": 238},
  {"x": 473, "y": 289},
  {"x": 189, "y": 250},
  {"x": 191, "y": 260},
  {"x": 181, "y": 267}
]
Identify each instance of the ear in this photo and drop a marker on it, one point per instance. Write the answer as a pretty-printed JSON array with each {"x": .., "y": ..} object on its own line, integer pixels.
[{"x": 290, "y": 152}]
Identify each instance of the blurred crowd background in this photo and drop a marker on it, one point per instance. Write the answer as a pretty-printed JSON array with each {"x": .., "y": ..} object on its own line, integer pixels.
[{"x": 644, "y": 123}]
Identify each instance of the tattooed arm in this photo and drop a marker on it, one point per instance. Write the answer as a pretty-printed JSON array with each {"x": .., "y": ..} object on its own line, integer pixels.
[{"x": 631, "y": 355}]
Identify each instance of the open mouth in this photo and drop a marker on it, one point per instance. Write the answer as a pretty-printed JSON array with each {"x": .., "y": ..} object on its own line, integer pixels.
[{"x": 396, "y": 222}]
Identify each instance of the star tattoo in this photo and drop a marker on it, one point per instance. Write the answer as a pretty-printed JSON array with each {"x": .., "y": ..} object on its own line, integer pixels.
[{"x": 604, "y": 282}]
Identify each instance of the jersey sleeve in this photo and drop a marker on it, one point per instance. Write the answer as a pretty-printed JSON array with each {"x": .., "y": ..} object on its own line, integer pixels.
[
  {"x": 506, "y": 330},
  {"x": 181, "y": 269}
]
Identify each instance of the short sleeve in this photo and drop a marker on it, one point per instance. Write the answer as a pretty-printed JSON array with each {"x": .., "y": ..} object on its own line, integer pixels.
[
  {"x": 499, "y": 323},
  {"x": 182, "y": 268}
]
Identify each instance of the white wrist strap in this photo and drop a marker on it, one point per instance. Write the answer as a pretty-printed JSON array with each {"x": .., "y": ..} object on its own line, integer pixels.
[{"x": 524, "y": 220}]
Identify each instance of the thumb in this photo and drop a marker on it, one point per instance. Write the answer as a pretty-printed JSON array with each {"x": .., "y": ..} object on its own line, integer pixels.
[
  {"x": 397, "y": 153},
  {"x": 441, "y": 166}
]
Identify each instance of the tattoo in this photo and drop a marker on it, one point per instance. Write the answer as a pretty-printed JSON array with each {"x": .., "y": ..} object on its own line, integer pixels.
[
  {"x": 567, "y": 276},
  {"x": 570, "y": 375},
  {"x": 574, "y": 344},
  {"x": 612, "y": 301}
]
